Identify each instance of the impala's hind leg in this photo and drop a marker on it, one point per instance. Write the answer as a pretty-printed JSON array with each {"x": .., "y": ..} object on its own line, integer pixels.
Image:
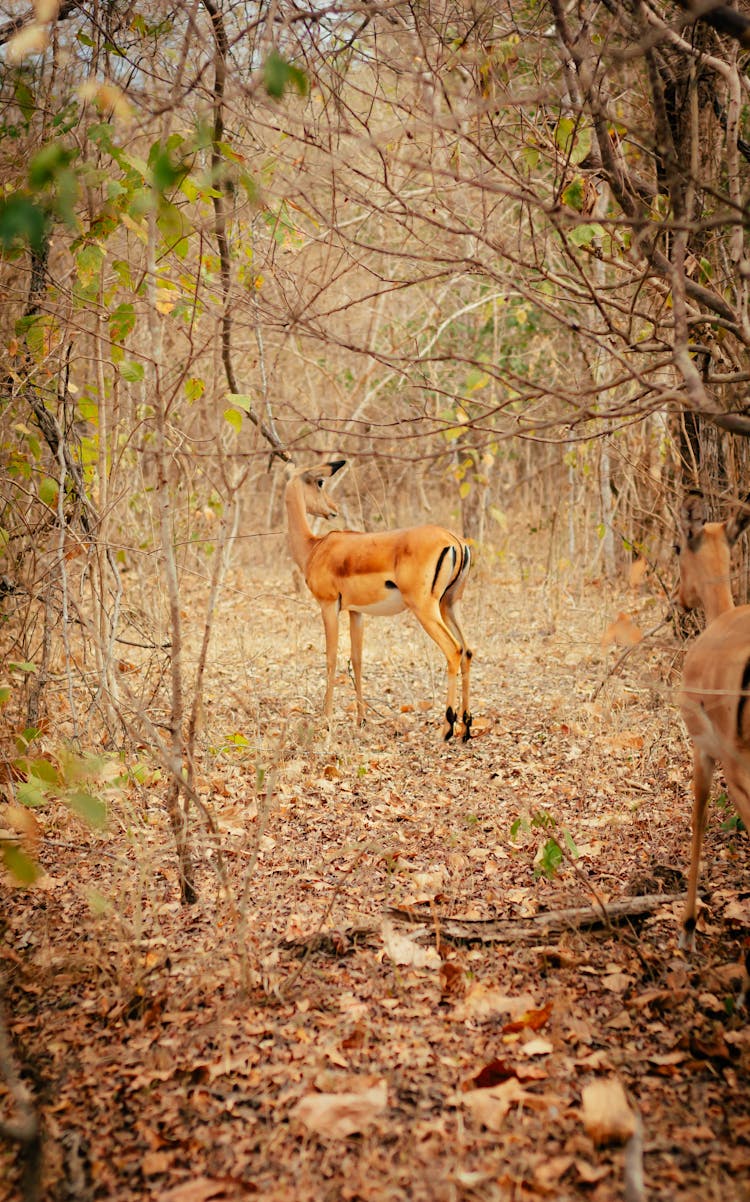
[
  {"x": 449, "y": 611},
  {"x": 432, "y": 621}
]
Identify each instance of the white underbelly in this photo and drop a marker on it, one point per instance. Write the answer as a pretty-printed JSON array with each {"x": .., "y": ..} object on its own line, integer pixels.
[{"x": 391, "y": 603}]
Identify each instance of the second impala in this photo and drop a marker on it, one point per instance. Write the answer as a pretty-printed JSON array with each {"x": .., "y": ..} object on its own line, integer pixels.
[
  {"x": 716, "y": 674},
  {"x": 423, "y": 569}
]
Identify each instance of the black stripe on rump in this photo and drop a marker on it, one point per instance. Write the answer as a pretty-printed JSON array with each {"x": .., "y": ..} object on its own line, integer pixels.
[
  {"x": 441, "y": 557},
  {"x": 743, "y": 698}
]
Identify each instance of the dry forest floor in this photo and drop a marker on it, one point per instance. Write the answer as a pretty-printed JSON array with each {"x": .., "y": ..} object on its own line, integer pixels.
[{"x": 360, "y": 1006}]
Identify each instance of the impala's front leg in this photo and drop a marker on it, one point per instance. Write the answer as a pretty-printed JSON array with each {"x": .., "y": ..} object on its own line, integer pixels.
[
  {"x": 356, "y": 637},
  {"x": 330, "y": 612},
  {"x": 703, "y": 770}
]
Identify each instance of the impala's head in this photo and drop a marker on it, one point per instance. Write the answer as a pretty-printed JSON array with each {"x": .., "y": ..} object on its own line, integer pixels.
[
  {"x": 705, "y": 550},
  {"x": 311, "y": 482}
]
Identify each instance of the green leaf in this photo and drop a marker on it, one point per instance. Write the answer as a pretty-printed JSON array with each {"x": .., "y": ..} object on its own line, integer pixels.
[
  {"x": 278, "y": 73},
  {"x": 48, "y": 491},
  {"x": 32, "y": 792},
  {"x": 25, "y": 99},
  {"x": 19, "y": 865},
  {"x": 574, "y": 139},
  {"x": 194, "y": 388},
  {"x": 121, "y": 321},
  {"x": 516, "y": 826},
  {"x": 47, "y": 163},
  {"x": 241, "y": 400},
  {"x": 584, "y": 235},
  {"x": 551, "y": 859},
  {"x": 132, "y": 372},
  {"x": 570, "y": 844},
  {"x": 5, "y": 693},
  {"x": 475, "y": 380},
  {"x": 101, "y": 134},
  {"x": 43, "y": 770},
  {"x": 564, "y": 132},
  {"x": 27, "y": 737},
  {"x": 174, "y": 228},
  {"x": 22, "y": 665},
  {"x": 92, "y": 809},
  {"x": 573, "y": 195},
  {"x": 166, "y": 171},
  {"x": 88, "y": 263},
  {"x": 121, "y": 269},
  {"x": 22, "y": 220},
  {"x": 234, "y": 418}
]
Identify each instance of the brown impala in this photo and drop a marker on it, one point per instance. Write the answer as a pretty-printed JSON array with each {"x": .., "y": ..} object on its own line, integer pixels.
[
  {"x": 423, "y": 568},
  {"x": 716, "y": 676}
]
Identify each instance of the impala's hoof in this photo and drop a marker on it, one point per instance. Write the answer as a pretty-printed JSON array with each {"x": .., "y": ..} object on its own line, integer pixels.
[
  {"x": 686, "y": 942},
  {"x": 467, "y": 728},
  {"x": 451, "y": 718}
]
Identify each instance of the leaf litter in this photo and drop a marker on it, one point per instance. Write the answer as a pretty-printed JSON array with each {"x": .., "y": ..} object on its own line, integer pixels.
[{"x": 319, "y": 1032}]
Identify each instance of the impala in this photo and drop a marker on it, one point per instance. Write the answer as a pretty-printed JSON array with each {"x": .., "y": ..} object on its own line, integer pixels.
[
  {"x": 423, "y": 569},
  {"x": 716, "y": 675}
]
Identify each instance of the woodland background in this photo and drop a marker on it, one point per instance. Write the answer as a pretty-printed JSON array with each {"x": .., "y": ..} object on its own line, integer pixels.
[{"x": 494, "y": 255}]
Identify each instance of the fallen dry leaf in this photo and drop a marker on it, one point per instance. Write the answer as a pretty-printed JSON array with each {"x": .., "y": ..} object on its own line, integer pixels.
[
  {"x": 200, "y": 1189},
  {"x": 484, "y": 1001},
  {"x": 490, "y": 1106},
  {"x": 549, "y": 1173},
  {"x": 536, "y": 1047},
  {"x": 337, "y": 1115},
  {"x": 402, "y": 949}
]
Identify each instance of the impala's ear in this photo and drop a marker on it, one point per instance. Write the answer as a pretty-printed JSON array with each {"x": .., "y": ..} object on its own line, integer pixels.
[
  {"x": 739, "y": 521},
  {"x": 692, "y": 518},
  {"x": 336, "y": 465}
]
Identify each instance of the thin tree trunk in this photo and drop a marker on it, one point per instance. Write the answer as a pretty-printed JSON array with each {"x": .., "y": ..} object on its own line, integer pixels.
[{"x": 178, "y": 814}]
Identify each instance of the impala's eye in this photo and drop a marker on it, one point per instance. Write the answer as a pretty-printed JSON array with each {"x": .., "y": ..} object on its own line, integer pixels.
[
  {"x": 320, "y": 483},
  {"x": 677, "y": 548}
]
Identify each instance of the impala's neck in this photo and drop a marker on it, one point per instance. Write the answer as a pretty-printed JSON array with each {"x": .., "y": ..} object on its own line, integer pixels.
[
  {"x": 717, "y": 597},
  {"x": 710, "y": 571},
  {"x": 302, "y": 541}
]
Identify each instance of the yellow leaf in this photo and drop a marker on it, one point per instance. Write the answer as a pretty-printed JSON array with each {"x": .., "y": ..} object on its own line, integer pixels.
[
  {"x": 107, "y": 96},
  {"x": 34, "y": 39},
  {"x": 136, "y": 227}
]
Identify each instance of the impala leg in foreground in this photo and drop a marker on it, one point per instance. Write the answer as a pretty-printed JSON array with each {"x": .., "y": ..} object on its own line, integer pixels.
[
  {"x": 715, "y": 694},
  {"x": 423, "y": 569}
]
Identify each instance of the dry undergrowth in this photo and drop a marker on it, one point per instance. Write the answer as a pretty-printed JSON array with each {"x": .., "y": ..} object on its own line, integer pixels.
[{"x": 307, "y": 1030}]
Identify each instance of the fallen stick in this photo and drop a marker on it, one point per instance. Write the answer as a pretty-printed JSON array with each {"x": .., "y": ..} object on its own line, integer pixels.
[{"x": 541, "y": 925}]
